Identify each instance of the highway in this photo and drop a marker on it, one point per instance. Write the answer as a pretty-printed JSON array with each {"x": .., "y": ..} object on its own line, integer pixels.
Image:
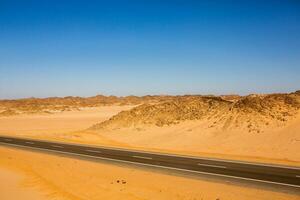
[{"x": 267, "y": 173}]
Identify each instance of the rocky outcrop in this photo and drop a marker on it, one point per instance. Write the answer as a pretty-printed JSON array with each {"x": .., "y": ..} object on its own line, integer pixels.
[{"x": 252, "y": 112}]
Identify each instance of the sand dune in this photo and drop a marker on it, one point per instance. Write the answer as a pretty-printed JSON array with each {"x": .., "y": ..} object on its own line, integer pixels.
[
  {"x": 253, "y": 112},
  {"x": 256, "y": 127},
  {"x": 279, "y": 145}
]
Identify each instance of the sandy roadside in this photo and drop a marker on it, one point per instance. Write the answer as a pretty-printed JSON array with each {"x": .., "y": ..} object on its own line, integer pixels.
[
  {"x": 11, "y": 186},
  {"x": 70, "y": 178}
]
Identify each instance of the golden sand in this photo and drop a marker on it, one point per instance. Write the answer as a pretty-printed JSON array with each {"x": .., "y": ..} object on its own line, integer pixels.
[{"x": 58, "y": 177}]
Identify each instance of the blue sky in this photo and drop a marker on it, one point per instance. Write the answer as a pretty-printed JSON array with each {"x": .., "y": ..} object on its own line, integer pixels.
[{"x": 84, "y": 48}]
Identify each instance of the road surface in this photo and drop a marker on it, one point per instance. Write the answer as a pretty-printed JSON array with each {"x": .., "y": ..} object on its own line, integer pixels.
[{"x": 267, "y": 173}]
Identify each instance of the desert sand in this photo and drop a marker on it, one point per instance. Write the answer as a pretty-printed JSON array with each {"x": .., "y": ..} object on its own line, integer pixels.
[
  {"x": 12, "y": 187},
  {"x": 260, "y": 128},
  {"x": 56, "y": 123},
  {"x": 62, "y": 177}
]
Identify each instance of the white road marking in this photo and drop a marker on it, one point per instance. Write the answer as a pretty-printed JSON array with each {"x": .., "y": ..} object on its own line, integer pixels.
[
  {"x": 94, "y": 151},
  {"x": 187, "y": 156},
  {"x": 29, "y": 142},
  {"x": 57, "y": 146},
  {"x": 207, "y": 165},
  {"x": 157, "y": 166},
  {"x": 142, "y": 157},
  {"x": 182, "y": 156}
]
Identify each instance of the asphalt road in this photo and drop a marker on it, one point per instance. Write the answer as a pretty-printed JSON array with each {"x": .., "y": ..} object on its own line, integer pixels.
[{"x": 273, "y": 174}]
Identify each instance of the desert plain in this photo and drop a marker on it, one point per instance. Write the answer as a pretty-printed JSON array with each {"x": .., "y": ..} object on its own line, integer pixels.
[{"x": 257, "y": 127}]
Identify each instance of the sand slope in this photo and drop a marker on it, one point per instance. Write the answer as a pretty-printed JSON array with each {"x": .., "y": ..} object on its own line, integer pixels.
[
  {"x": 253, "y": 112},
  {"x": 255, "y": 127}
]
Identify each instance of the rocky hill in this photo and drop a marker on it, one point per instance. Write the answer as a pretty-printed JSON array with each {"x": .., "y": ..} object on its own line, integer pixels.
[
  {"x": 57, "y": 104},
  {"x": 252, "y": 112}
]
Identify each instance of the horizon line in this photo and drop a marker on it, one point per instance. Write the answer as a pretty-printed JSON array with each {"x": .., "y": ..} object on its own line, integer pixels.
[{"x": 131, "y": 95}]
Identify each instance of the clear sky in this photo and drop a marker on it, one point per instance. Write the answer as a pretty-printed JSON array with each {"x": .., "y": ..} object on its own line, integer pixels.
[{"x": 84, "y": 48}]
